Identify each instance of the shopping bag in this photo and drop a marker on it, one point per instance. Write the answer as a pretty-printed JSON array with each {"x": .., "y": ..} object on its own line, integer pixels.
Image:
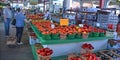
[{"x": 13, "y": 22}]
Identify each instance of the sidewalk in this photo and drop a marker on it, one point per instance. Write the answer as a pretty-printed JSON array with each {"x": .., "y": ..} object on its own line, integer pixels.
[{"x": 18, "y": 53}]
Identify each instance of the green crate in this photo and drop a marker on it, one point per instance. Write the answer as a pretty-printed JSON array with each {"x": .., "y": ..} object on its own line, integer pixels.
[
  {"x": 39, "y": 32},
  {"x": 79, "y": 36},
  {"x": 46, "y": 36},
  {"x": 101, "y": 34},
  {"x": 91, "y": 34},
  {"x": 71, "y": 36},
  {"x": 96, "y": 34},
  {"x": 55, "y": 36}
]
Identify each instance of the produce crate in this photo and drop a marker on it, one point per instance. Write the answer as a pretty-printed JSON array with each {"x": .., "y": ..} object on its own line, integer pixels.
[
  {"x": 71, "y": 36},
  {"x": 11, "y": 41},
  {"x": 55, "y": 36},
  {"x": 85, "y": 36},
  {"x": 79, "y": 36},
  {"x": 63, "y": 36},
  {"x": 109, "y": 34},
  {"x": 96, "y": 34},
  {"x": 91, "y": 34},
  {"x": 43, "y": 57},
  {"x": 46, "y": 36},
  {"x": 101, "y": 34}
]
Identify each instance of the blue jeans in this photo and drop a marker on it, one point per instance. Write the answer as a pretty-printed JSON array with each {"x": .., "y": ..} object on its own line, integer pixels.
[
  {"x": 19, "y": 31},
  {"x": 7, "y": 26}
]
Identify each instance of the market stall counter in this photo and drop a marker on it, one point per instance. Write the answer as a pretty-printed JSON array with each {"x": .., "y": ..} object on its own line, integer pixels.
[{"x": 64, "y": 47}]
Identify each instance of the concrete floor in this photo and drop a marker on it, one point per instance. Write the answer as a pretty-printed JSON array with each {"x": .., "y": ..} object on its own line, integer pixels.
[{"x": 17, "y": 53}]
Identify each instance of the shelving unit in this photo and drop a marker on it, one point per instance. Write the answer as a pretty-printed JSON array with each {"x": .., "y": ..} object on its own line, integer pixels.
[{"x": 105, "y": 18}]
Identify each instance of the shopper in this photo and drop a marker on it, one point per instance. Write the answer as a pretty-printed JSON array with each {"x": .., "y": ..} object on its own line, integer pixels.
[
  {"x": 47, "y": 15},
  {"x": 7, "y": 18},
  {"x": 20, "y": 21},
  {"x": 83, "y": 21}
]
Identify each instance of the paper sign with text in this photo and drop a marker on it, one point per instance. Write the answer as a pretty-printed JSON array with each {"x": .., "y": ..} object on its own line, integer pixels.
[{"x": 64, "y": 22}]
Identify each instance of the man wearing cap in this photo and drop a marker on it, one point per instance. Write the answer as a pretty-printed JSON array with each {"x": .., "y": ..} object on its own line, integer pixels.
[{"x": 7, "y": 18}]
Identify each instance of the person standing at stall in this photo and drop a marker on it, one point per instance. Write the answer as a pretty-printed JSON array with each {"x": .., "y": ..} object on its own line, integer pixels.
[
  {"x": 20, "y": 21},
  {"x": 47, "y": 15},
  {"x": 118, "y": 27},
  {"x": 7, "y": 18}
]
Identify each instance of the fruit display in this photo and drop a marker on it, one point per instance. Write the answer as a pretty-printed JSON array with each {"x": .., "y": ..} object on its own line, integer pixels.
[
  {"x": 87, "y": 54},
  {"x": 86, "y": 48},
  {"x": 72, "y": 56},
  {"x": 75, "y": 58},
  {"x": 66, "y": 32},
  {"x": 35, "y": 17},
  {"x": 90, "y": 56},
  {"x": 44, "y": 53}
]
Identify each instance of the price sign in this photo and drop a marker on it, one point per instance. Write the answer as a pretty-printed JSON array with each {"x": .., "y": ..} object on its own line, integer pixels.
[
  {"x": 98, "y": 24},
  {"x": 64, "y": 22},
  {"x": 80, "y": 25},
  {"x": 52, "y": 26}
]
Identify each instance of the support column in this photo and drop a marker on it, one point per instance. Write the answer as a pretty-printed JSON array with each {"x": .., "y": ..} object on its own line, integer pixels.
[
  {"x": 51, "y": 5},
  {"x": 101, "y": 3},
  {"x": 106, "y": 3},
  {"x": 67, "y": 4}
]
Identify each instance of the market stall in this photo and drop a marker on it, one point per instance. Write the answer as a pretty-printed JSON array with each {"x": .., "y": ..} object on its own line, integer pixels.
[
  {"x": 48, "y": 32},
  {"x": 64, "y": 47}
]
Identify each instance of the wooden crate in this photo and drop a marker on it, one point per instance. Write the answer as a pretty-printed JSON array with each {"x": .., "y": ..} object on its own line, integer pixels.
[{"x": 11, "y": 42}]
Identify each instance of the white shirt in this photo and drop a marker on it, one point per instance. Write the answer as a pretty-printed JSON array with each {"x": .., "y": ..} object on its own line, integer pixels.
[{"x": 47, "y": 14}]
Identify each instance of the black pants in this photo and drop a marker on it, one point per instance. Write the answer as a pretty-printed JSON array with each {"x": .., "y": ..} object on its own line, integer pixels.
[{"x": 19, "y": 31}]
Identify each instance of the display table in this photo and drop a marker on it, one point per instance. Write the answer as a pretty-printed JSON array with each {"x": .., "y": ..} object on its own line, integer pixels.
[
  {"x": 64, "y": 47},
  {"x": 67, "y": 48}
]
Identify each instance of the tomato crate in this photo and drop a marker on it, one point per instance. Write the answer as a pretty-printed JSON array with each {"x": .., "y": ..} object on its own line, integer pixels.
[
  {"x": 55, "y": 36},
  {"x": 79, "y": 35},
  {"x": 71, "y": 36},
  {"x": 46, "y": 36}
]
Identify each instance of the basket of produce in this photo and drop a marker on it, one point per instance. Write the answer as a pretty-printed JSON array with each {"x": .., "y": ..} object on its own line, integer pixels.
[
  {"x": 44, "y": 53},
  {"x": 101, "y": 34},
  {"x": 55, "y": 35},
  {"x": 63, "y": 36},
  {"x": 73, "y": 56},
  {"x": 96, "y": 34},
  {"x": 38, "y": 46},
  {"x": 89, "y": 56},
  {"x": 91, "y": 34},
  {"x": 71, "y": 35},
  {"x": 79, "y": 35},
  {"x": 85, "y": 35},
  {"x": 86, "y": 48}
]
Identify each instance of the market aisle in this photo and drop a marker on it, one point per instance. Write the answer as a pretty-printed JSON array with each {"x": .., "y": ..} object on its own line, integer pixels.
[{"x": 18, "y": 53}]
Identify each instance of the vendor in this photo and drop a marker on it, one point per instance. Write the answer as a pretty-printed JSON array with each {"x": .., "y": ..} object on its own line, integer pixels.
[
  {"x": 118, "y": 27},
  {"x": 117, "y": 39},
  {"x": 47, "y": 15}
]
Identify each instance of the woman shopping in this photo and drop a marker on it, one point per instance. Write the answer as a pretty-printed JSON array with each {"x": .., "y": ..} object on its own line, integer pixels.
[{"x": 20, "y": 21}]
